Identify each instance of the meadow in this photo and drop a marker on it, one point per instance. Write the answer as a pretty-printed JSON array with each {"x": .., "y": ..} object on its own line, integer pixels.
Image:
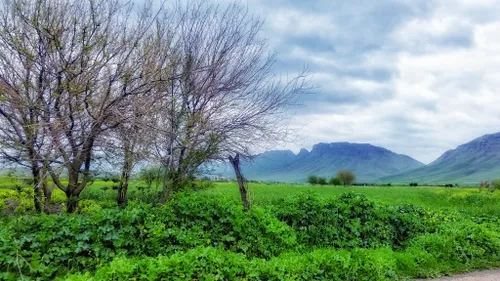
[{"x": 292, "y": 232}]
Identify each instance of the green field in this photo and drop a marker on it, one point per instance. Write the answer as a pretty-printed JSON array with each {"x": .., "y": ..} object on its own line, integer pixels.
[
  {"x": 292, "y": 232},
  {"x": 468, "y": 200}
]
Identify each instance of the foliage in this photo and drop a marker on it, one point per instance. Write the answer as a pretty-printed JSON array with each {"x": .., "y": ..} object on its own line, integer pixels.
[
  {"x": 322, "y": 181},
  {"x": 216, "y": 264},
  {"x": 48, "y": 246},
  {"x": 495, "y": 185},
  {"x": 312, "y": 179},
  {"x": 326, "y": 235},
  {"x": 150, "y": 175},
  {"x": 346, "y": 177},
  {"x": 456, "y": 247},
  {"x": 349, "y": 221},
  {"x": 335, "y": 181}
]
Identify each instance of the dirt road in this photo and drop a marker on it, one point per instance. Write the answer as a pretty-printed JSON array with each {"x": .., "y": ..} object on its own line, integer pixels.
[{"x": 486, "y": 275}]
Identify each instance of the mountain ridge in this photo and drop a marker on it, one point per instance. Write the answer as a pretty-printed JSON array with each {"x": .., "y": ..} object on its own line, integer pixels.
[
  {"x": 472, "y": 162},
  {"x": 367, "y": 161}
]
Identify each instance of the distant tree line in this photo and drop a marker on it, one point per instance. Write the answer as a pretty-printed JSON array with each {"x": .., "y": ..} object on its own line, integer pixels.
[{"x": 344, "y": 177}]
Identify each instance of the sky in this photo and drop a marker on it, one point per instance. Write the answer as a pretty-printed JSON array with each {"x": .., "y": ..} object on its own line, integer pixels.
[{"x": 417, "y": 77}]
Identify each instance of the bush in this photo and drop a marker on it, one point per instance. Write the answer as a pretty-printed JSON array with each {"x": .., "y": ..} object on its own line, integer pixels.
[
  {"x": 455, "y": 247},
  {"x": 47, "y": 246},
  {"x": 18, "y": 201},
  {"x": 216, "y": 264},
  {"x": 349, "y": 221}
]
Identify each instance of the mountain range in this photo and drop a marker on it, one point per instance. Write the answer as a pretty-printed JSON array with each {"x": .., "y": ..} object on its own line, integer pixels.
[
  {"x": 367, "y": 161},
  {"x": 475, "y": 161},
  {"x": 470, "y": 163}
]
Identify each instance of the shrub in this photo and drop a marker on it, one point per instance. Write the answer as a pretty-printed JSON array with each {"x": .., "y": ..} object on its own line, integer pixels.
[
  {"x": 349, "y": 221},
  {"x": 216, "y": 264},
  {"x": 484, "y": 184},
  {"x": 18, "y": 201},
  {"x": 346, "y": 177},
  {"x": 47, "y": 246},
  {"x": 455, "y": 247}
]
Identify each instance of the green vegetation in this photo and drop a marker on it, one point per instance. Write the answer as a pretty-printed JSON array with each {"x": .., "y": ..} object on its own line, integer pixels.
[
  {"x": 313, "y": 180},
  {"x": 293, "y": 232},
  {"x": 346, "y": 177},
  {"x": 335, "y": 181}
]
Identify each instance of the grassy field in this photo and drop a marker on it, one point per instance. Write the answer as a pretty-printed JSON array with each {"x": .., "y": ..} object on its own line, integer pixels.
[{"x": 469, "y": 200}]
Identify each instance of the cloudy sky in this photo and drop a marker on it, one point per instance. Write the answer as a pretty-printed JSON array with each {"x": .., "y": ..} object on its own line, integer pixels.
[{"x": 418, "y": 77}]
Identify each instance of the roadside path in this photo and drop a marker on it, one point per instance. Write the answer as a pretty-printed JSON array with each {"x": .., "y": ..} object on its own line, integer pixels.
[{"x": 485, "y": 275}]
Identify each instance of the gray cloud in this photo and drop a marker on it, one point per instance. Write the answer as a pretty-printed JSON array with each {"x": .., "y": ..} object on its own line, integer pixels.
[{"x": 417, "y": 77}]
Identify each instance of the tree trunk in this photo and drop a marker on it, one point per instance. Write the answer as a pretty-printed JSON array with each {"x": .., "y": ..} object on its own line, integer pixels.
[
  {"x": 37, "y": 184},
  {"x": 125, "y": 178},
  {"x": 72, "y": 204},
  {"x": 165, "y": 192},
  {"x": 71, "y": 191},
  {"x": 242, "y": 184}
]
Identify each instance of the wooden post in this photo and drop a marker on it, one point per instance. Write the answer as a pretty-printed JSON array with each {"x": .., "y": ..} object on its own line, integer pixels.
[{"x": 242, "y": 184}]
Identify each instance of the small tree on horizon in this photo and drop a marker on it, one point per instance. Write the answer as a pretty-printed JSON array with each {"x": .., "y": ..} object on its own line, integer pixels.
[
  {"x": 335, "y": 181},
  {"x": 346, "y": 177},
  {"x": 312, "y": 179},
  {"x": 322, "y": 181}
]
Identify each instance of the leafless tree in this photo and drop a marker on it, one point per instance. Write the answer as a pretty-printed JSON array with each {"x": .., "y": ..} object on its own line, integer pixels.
[
  {"x": 23, "y": 88},
  {"x": 222, "y": 98},
  {"x": 88, "y": 52},
  {"x": 127, "y": 144},
  {"x": 73, "y": 72}
]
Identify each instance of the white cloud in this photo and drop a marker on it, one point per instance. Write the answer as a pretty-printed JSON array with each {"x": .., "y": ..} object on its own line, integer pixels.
[{"x": 436, "y": 71}]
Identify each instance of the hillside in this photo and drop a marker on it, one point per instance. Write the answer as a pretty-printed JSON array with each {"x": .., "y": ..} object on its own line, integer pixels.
[
  {"x": 472, "y": 162},
  {"x": 367, "y": 161}
]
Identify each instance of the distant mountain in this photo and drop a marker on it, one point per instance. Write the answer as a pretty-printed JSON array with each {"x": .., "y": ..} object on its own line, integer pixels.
[
  {"x": 475, "y": 161},
  {"x": 368, "y": 162}
]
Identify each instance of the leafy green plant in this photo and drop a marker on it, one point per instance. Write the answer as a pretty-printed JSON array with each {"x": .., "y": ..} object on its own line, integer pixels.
[
  {"x": 349, "y": 221},
  {"x": 48, "y": 246}
]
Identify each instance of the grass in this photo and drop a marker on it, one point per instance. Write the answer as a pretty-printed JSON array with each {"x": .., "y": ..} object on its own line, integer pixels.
[
  {"x": 470, "y": 201},
  {"x": 465, "y": 200}
]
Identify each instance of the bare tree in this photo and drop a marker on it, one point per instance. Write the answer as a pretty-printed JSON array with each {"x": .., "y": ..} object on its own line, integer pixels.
[
  {"x": 91, "y": 50},
  {"x": 23, "y": 88},
  {"x": 127, "y": 144},
  {"x": 222, "y": 98}
]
